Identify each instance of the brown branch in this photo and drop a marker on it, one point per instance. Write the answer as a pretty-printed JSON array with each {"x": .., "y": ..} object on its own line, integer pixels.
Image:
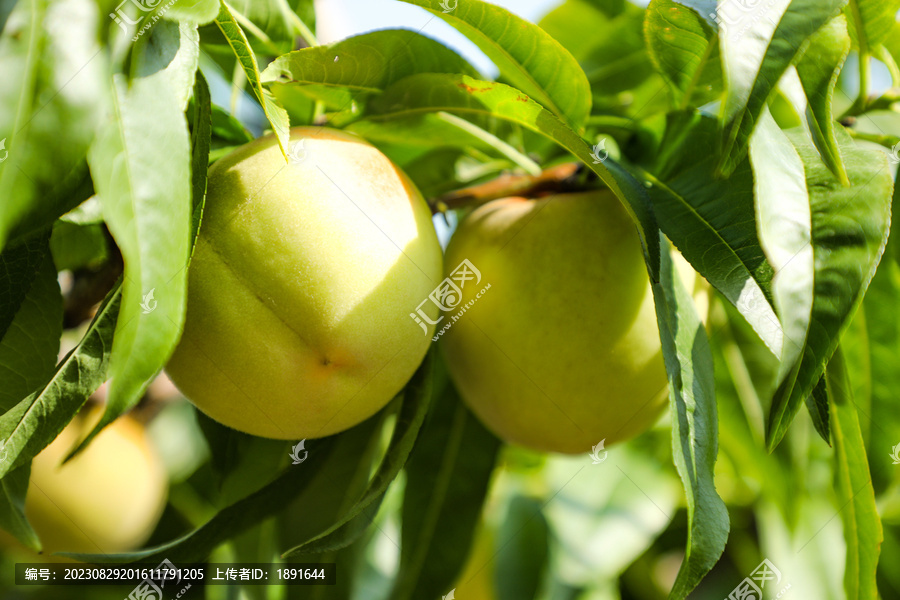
[{"x": 558, "y": 179}]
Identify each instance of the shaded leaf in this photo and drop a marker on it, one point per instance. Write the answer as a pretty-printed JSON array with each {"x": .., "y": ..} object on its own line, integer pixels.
[
  {"x": 201, "y": 136},
  {"x": 849, "y": 231},
  {"x": 33, "y": 423},
  {"x": 712, "y": 221},
  {"x": 522, "y": 548},
  {"x": 883, "y": 332},
  {"x": 12, "y": 507},
  {"x": 692, "y": 397},
  {"x": 784, "y": 226},
  {"x": 527, "y": 57},
  {"x": 817, "y": 404},
  {"x": 277, "y": 116},
  {"x": 684, "y": 49},
  {"x": 29, "y": 348},
  {"x": 755, "y": 54},
  {"x": 416, "y": 400},
  {"x": 447, "y": 481},
  {"x": 819, "y": 69},
  {"x": 862, "y": 525},
  {"x": 19, "y": 265}
]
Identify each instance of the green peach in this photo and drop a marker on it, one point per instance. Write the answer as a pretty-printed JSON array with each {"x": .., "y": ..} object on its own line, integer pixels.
[
  {"x": 301, "y": 284},
  {"x": 562, "y": 351}
]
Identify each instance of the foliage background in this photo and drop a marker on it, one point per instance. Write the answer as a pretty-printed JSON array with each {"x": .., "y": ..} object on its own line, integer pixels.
[{"x": 769, "y": 172}]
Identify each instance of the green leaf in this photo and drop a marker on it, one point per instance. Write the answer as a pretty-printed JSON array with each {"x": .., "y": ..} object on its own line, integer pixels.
[
  {"x": 416, "y": 400},
  {"x": 52, "y": 98},
  {"x": 819, "y": 69},
  {"x": 29, "y": 348},
  {"x": 460, "y": 94},
  {"x": 620, "y": 61},
  {"x": 575, "y": 24},
  {"x": 755, "y": 54},
  {"x": 172, "y": 49},
  {"x": 195, "y": 12},
  {"x": 19, "y": 265},
  {"x": 784, "y": 226},
  {"x": 77, "y": 246},
  {"x": 447, "y": 481},
  {"x": 366, "y": 63},
  {"x": 871, "y": 21},
  {"x": 692, "y": 397},
  {"x": 862, "y": 525},
  {"x": 33, "y": 423},
  {"x": 282, "y": 21},
  {"x": 527, "y": 57},
  {"x": 12, "y": 507},
  {"x": 140, "y": 163},
  {"x": 684, "y": 50},
  {"x": 712, "y": 222},
  {"x": 817, "y": 404},
  {"x": 883, "y": 332},
  {"x": 522, "y": 548},
  {"x": 849, "y": 231},
  {"x": 201, "y": 137},
  {"x": 276, "y": 115}
]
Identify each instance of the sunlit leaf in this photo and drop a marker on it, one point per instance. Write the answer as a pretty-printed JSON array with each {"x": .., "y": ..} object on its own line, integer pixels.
[{"x": 527, "y": 57}]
